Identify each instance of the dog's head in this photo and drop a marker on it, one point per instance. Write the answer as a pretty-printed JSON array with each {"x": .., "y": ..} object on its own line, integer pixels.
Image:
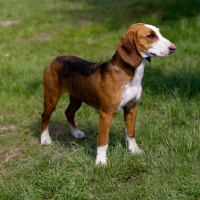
[{"x": 143, "y": 41}]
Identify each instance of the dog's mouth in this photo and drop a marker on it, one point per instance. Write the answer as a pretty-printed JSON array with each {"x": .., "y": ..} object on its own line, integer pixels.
[{"x": 152, "y": 54}]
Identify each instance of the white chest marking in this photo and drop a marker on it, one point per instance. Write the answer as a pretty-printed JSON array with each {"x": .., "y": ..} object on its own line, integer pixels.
[{"x": 132, "y": 91}]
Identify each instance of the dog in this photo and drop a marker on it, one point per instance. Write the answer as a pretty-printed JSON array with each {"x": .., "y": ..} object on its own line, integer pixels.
[{"x": 107, "y": 86}]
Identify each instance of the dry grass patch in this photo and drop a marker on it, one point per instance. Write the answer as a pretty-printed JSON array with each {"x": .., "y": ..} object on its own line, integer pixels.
[{"x": 9, "y": 22}]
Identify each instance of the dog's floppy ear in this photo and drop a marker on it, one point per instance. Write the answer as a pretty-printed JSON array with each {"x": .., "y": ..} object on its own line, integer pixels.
[{"x": 128, "y": 51}]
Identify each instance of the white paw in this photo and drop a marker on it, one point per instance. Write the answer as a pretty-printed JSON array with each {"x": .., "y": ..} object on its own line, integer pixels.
[
  {"x": 45, "y": 137},
  {"x": 132, "y": 146},
  {"x": 101, "y": 161},
  {"x": 101, "y": 158},
  {"x": 136, "y": 150},
  {"x": 77, "y": 133}
]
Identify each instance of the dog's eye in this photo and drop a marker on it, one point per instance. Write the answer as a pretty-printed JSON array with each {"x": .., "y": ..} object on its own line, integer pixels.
[{"x": 151, "y": 35}]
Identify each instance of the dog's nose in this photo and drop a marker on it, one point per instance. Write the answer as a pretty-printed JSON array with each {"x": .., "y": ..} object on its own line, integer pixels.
[{"x": 172, "y": 48}]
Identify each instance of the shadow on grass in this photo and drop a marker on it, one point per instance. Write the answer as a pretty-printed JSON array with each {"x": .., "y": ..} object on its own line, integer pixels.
[
  {"x": 59, "y": 132},
  {"x": 182, "y": 85},
  {"x": 115, "y": 14}
]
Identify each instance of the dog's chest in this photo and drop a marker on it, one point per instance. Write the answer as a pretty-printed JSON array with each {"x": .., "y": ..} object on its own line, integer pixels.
[{"x": 132, "y": 91}]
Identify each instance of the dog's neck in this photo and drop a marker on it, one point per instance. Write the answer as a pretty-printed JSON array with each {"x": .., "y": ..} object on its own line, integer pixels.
[
  {"x": 117, "y": 58},
  {"x": 139, "y": 71}
]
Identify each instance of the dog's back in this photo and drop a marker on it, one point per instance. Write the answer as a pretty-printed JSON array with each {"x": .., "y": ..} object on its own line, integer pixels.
[{"x": 77, "y": 77}]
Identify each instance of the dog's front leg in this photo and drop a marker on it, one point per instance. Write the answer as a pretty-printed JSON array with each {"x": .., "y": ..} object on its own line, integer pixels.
[
  {"x": 105, "y": 119},
  {"x": 130, "y": 120}
]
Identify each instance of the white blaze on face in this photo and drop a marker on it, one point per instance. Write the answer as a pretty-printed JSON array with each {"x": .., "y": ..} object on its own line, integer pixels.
[{"x": 161, "y": 46}]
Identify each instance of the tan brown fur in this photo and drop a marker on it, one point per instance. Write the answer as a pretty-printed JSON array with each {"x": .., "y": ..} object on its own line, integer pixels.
[
  {"x": 101, "y": 90},
  {"x": 98, "y": 85}
]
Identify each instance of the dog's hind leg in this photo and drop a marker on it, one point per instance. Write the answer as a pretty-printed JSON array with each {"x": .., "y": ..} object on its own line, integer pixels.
[
  {"x": 70, "y": 114},
  {"x": 49, "y": 106},
  {"x": 51, "y": 97}
]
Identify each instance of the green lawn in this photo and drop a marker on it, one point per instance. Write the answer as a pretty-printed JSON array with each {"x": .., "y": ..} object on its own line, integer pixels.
[{"x": 32, "y": 33}]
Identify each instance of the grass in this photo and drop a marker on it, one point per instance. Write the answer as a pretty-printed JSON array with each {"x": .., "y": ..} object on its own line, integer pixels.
[{"x": 168, "y": 122}]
